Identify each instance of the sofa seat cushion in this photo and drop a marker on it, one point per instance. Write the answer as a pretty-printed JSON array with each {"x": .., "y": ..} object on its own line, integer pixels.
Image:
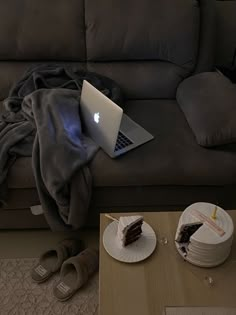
[{"x": 172, "y": 158}]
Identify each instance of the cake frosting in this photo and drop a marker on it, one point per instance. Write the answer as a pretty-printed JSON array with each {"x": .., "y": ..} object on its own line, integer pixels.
[
  {"x": 202, "y": 240},
  {"x": 129, "y": 229}
]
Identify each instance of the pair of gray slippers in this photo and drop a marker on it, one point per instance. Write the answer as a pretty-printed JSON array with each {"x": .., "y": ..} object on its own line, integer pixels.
[{"x": 75, "y": 264}]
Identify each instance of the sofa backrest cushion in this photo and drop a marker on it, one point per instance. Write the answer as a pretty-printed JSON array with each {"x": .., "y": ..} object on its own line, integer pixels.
[
  {"x": 42, "y": 30},
  {"x": 226, "y": 34},
  {"x": 165, "y": 30},
  {"x": 148, "y": 46},
  {"x": 207, "y": 41}
]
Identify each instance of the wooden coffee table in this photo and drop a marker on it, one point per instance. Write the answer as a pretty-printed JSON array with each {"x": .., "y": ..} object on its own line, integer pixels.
[{"x": 164, "y": 279}]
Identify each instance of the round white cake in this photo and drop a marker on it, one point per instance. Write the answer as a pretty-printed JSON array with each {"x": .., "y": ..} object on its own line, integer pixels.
[{"x": 201, "y": 240}]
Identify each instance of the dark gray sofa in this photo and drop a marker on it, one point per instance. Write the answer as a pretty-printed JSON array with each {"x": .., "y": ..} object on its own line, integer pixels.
[
  {"x": 148, "y": 47},
  {"x": 225, "y": 52}
]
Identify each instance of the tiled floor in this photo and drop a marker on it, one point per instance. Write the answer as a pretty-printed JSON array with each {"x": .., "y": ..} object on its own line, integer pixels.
[{"x": 31, "y": 243}]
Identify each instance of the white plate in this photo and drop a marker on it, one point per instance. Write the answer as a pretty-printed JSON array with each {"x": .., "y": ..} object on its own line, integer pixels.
[{"x": 137, "y": 251}]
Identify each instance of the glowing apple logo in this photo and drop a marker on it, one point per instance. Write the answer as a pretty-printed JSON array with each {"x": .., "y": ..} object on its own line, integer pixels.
[{"x": 96, "y": 117}]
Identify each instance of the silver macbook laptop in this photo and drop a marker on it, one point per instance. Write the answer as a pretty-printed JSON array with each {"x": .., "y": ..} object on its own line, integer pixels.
[{"x": 106, "y": 124}]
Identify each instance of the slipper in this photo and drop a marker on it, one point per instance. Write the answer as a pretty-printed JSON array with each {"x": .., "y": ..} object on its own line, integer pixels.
[
  {"x": 52, "y": 260},
  {"x": 75, "y": 272}
]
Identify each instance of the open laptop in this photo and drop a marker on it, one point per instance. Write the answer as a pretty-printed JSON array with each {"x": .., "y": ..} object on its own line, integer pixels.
[{"x": 106, "y": 124}]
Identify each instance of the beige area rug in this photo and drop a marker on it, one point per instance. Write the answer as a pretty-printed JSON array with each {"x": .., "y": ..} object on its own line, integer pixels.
[{"x": 19, "y": 295}]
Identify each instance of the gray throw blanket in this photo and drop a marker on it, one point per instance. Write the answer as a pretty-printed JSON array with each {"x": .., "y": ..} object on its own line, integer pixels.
[{"x": 42, "y": 119}]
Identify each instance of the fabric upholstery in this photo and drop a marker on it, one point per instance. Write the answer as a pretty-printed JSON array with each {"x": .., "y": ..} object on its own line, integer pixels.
[
  {"x": 208, "y": 101},
  {"x": 172, "y": 158},
  {"x": 42, "y": 30},
  {"x": 164, "y": 30},
  {"x": 21, "y": 219},
  {"x": 9, "y": 74},
  {"x": 157, "y": 198},
  {"x": 1, "y": 107},
  {"x": 21, "y": 174},
  {"x": 206, "y": 53},
  {"x": 119, "y": 199},
  {"x": 21, "y": 198},
  {"x": 148, "y": 55},
  {"x": 143, "y": 79},
  {"x": 12, "y": 72},
  {"x": 226, "y": 33}
]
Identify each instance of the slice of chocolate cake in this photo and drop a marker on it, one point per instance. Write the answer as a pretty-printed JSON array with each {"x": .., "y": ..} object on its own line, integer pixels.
[{"x": 129, "y": 229}]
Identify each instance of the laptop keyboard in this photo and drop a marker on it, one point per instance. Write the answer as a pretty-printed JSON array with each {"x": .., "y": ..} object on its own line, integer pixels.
[{"x": 122, "y": 141}]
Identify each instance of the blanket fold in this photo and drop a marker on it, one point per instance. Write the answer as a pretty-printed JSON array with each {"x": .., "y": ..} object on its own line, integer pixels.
[{"x": 42, "y": 119}]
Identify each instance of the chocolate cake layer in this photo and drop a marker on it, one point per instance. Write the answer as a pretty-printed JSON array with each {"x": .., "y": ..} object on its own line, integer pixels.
[
  {"x": 139, "y": 223},
  {"x": 187, "y": 232},
  {"x": 133, "y": 233},
  {"x": 127, "y": 242}
]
